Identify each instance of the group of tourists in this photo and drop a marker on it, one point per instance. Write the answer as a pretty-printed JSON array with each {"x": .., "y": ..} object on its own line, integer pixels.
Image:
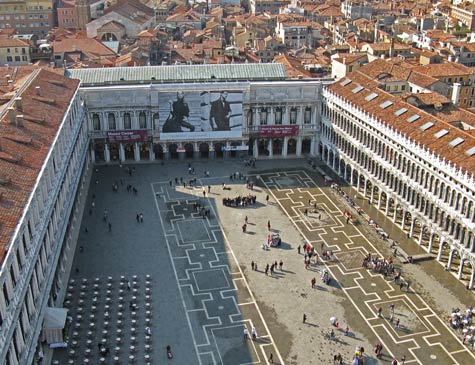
[
  {"x": 240, "y": 201},
  {"x": 464, "y": 322}
]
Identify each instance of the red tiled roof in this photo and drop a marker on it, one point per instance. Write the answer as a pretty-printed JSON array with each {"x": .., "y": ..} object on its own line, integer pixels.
[
  {"x": 29, "y": 145},
  {"x": 426, "y": 138}
]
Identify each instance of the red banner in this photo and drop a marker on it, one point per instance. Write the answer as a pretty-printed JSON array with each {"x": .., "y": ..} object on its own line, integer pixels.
[
  {"x": 127, "y": 136},
  {"x": 277, "y": 131}
]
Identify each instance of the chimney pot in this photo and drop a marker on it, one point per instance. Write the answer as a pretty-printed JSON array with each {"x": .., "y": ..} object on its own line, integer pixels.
[
  {"x": 19, "y": 120},
  {"x": 18, "y": 104},
  {"x": 38, "y": 90},
  {"x": 11, "y": 114}
]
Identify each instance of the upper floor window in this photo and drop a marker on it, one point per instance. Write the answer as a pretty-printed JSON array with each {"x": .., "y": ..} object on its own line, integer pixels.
[
  {"x": 293, "y": 115},
  {"x": 111, "y": 121},
  {"x": 96, "y": 122},
  {"x": 142, "y": 120},
  {"x": 127, "y": 121}
]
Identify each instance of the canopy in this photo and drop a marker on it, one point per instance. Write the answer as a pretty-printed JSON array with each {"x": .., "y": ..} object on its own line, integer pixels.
[{"x": 53, "y": 324}]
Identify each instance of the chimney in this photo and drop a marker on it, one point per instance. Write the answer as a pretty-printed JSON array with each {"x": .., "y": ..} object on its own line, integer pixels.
[
  {"x": 19, "y": 120},
  {"x": 11, "y": 114},
  {"x": 38, "y": 90},
  {"x": 18, "y": 104},
  {"x": 10, "y": 85}
]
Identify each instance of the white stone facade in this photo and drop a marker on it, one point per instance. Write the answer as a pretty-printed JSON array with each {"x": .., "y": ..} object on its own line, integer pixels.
[
  {"x": 33, "y": 271},
  {"x": 425, "y": 195},
  {"x": 264, "y": 103}
]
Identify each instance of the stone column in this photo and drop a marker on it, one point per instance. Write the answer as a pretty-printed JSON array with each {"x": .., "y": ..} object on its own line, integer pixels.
[
  {"x": 299, "y": 146},
  {"x": 441, "y": 246},
  {"x": 403, "y": 223},
  {"x": 431, "y": 242},
  {"x": 380, "y": 200},
  {"x": 371, "y": 201},
  {"x": 196, "y": 151},
  {"x": 166, "y": 153},
  {"x": 121, "y": 152},
  {"x": 151, "y": 152},
  {"x": 226, "y": 152},
  {"x": 270, "y": 147},
  {"x": 285, "y": 147},
  {"x": 459, "y": 276},
  {"x": 136, "y": 152},
  {"x": 388, "y": 204},
  {"x": 181, "y": 155},
  {"x": 472, "y": 279},
  {"x": 421, "y": 236},
  {"x": 395, "y": 213},
  {"x": 313, "y": 146},
  {"x": 107, "y": 154},
  {"x": 255, "y": 149},
  {"x": 286, "y": 115},
  {"x": 93, "y": 154},
  {"x": 411, "y": 231},
  {"x": 271, "y": 118},
  {"x": 212, "y": 152},
  {"x": 451, "y": 256}
]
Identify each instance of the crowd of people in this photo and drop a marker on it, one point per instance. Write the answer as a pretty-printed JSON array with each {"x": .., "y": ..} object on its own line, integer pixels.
[
  {"x": 464, "y": 322},
  {"x": 240, "y": 201}
]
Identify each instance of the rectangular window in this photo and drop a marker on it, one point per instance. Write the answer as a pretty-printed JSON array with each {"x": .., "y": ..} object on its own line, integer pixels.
[
  {"x": 9, "y": 59},
  {"x": 17, "y": 58}
]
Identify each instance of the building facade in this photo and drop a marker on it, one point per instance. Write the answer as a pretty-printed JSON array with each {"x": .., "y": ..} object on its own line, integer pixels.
[
  {"x": 27, "y": 16},
  {"x": 36, "y": 241},
  {"x": 278, "y": 117},
  {"x": 414, "y": 167}
]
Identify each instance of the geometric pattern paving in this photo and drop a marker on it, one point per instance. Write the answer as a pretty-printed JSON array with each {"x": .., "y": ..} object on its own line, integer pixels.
[
  {"x": 422, "y": 337},
  {"x": 215, "y": 294}
]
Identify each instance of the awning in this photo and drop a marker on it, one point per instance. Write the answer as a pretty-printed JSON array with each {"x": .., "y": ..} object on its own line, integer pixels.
[{"x": 53, "y": 324}]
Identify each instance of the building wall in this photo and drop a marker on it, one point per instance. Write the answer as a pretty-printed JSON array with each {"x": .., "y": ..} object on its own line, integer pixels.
[
  {"x": 278, "y": 103},
  {"x": 14, "y": 56},
  {"x": 429, "y": 198},
  {"x": 27, "y": 16},
  {"x": 67, "y": 18},
  {"x": 28, "y": 270}
]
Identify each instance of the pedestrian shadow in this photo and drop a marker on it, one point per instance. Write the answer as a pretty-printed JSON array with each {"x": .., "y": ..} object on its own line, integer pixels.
[
  {"x": 288, "y": 271},
  {"x": 250, "y": 233},
  {"x": 311, "y": 324},
  {"x": 284, "y": 246},
  {"x": 320, "y": 288}
]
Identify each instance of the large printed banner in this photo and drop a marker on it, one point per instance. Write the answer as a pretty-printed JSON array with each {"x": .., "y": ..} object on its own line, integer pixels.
[
  {"x": 278, "y": 131},
  {"x": 200, "y": 115},
  {"x": 127, "y": 136}
]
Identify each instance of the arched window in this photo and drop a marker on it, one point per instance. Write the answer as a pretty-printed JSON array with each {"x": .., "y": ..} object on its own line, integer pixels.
[
  {"x": 111, "y": 121},
  {"x": 308, "y": 115},
  {"x": 155, "y": 121},
  {"x": 278, "y": 115},
  {"x": 263, "y": 116},
  {"x": 127, "y": 121},
  {"x": 96, "y": 122},
  {"x": 293, "y": 116},
  {"x": 142, "y": 120}
]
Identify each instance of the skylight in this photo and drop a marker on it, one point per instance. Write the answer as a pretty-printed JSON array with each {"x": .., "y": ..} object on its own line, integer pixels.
[
  {"x": 455, "y": 142},
  {"x": 371, "y": 96},
  {"x": 426, "y": 126},
  {"x": 470, "y": 152},
  {"x": 400, "y": 111},
  {"x": 441, "y": 133},
  {"x": 357, "y": 89},
  {"x": 345, "y": 82},
  {"x": 413, "y": 118},
  {"x": 386, "y": 104}
]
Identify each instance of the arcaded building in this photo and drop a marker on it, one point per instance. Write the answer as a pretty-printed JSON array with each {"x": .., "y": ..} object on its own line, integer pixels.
[{"x": 412, "y": 157}]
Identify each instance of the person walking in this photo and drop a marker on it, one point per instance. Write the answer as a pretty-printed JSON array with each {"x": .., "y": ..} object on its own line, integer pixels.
[
  {"x": 110, "y": 227},
  {"x": 244, "y": 227},
  {"x": 281, "y": 265},
  {"x": 252, "y": 265},
  {"x": 245, "y": 219},
  {"x": 254, "y": 333},
  {"x": 380, "y": 311},
  {"x": 298, "y": 249},
  {"x": 304, "y": 318},
  {"x": 209, "y": 189},
  {"x": 267, "y": 269},
  {"x": 267, "y": 199},
  {"x": 268, "y": 225},
  {"x": 396, "y": 326},
  {"x": 271, "y": 358},
  {"x": 138, "y": 218},
  {"x": 314, "y": 281},
  {"x": 246, "y": 334}
]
